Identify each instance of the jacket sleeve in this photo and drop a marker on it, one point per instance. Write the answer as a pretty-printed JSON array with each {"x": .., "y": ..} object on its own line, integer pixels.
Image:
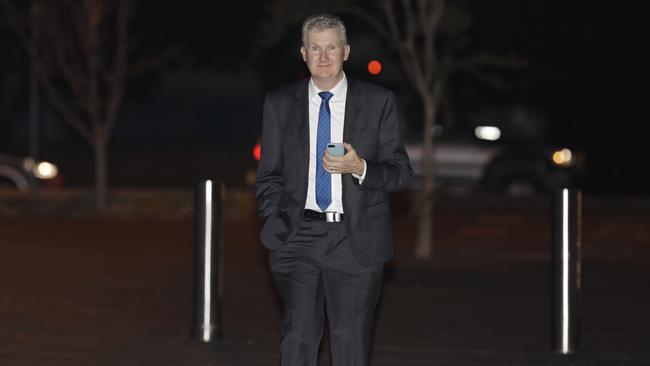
[
  {"x": 391, "y": 171},
  {"x": 269, "y": 183}
]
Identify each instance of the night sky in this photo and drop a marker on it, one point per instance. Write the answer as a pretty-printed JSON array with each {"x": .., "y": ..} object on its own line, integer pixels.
[{"x": 587, "y": 71}]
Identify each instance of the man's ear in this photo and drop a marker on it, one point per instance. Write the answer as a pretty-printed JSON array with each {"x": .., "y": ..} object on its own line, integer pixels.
[
  {"x": 346, "y": 52},
  {"x": 304, "y": 53}
]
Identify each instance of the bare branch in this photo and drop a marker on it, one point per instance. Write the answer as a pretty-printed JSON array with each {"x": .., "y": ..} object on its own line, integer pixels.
[
  {"x": 424, "y": 16},
  {"x": 438, "y": 10},
  {"x": 78, "y": 25},
  {"x": 65, "y": 62},
  {"x": 389, "y": 13},
  {"x": 429, "y": 34},
  {"x": 121, "y": 62},
  {"x": 409, "y": 33},
  {"x": 407, "y": 54},
  {"x": 64, "y": 107}
]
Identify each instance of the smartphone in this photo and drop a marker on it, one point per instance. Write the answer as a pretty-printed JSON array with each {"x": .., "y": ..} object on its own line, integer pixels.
[{"x": 336, "y": 148}]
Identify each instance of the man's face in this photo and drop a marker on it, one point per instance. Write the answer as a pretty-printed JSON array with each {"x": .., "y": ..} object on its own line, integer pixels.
[{"x": 324, "y": 54}]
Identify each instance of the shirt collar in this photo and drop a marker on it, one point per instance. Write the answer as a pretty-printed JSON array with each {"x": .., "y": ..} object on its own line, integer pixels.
[{"x": 339, "y": 90}]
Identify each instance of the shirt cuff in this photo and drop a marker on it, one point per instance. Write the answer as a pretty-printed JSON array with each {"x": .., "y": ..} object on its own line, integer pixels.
[{"x": 363, "y": 176}]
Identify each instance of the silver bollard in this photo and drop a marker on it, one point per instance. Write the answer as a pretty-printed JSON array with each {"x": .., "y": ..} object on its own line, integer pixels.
[
  {"x": 207, "y": 262},
  {"x": 567, "y": 237}
]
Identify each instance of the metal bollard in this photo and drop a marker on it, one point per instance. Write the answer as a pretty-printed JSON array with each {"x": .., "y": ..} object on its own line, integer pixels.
[
  {"x": 207, "y": 262},
  {"x": 567, "y": 237}
]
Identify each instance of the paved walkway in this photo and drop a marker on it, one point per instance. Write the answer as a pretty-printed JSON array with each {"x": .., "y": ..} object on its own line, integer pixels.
[{"x": 110, "y": 291}]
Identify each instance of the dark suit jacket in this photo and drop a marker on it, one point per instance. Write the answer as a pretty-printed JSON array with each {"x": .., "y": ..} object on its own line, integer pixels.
[{"x": 372, "y": 127}]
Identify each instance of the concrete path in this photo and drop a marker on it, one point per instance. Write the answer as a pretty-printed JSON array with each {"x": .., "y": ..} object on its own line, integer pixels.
[{"x": 112, "y": 291}]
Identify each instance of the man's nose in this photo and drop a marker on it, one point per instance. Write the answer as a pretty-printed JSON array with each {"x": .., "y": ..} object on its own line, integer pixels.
[{"x": 322, "y": 55}]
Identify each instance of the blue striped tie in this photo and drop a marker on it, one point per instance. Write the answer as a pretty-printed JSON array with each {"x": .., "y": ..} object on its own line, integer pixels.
[{"x": 323, "y": 137}]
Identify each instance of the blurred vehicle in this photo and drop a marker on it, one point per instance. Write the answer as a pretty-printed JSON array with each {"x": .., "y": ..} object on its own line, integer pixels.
[
  {"x": 482, "y": 161},
  {"x": 24, "y": 173}
]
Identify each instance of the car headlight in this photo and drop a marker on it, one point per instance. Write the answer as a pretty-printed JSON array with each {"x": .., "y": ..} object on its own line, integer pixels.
[
  {"x": 563, "y": 157},
  {"x": 45, "y": 170},
  {"x": 488, "y": 133}
]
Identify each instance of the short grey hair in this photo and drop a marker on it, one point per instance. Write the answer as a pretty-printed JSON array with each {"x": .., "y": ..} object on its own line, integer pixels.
[{"x": 321, "y": 22}]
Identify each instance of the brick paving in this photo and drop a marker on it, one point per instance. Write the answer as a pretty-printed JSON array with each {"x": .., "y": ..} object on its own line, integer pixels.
[{"x": 114, "y": 291}]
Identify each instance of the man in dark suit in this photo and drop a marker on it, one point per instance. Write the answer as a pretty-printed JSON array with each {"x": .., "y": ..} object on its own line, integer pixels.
[{"x": 325, "y": 218}]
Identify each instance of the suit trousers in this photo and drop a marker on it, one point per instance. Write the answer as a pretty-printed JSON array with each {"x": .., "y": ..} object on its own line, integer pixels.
[{"x": 315, "y": 273}]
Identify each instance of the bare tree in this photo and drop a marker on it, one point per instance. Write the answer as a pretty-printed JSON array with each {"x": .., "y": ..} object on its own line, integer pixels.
[
  {"x": 420, "y": 62},
  {"x": 82, "y": 65}
]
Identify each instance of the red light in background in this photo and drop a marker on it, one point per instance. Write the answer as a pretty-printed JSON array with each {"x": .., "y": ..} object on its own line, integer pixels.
[
  {"x": 374, "y": 67},
  {"x": 257, "y": 152}
]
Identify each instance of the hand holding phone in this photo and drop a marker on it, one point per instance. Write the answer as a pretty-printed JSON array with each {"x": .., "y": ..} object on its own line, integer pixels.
[
  {"x": 342, "y": 159},
  {"x": 336, "y": 148}
]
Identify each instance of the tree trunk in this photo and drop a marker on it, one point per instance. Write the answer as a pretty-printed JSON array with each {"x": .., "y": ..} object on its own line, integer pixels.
[
  {"x": 424, "y": 239},
  {"x": 101, "y": 174}
]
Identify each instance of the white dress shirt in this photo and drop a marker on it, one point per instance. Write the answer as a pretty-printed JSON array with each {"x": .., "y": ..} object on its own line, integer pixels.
[{"x": 337, "y": 115}]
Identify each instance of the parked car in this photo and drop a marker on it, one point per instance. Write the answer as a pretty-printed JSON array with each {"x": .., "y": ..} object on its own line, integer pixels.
[
  {"x": 24, "y": 173},
  {"x": 482, "y": 161}
]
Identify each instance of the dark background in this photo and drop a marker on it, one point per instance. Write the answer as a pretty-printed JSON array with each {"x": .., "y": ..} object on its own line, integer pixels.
[
  {"x": 199, "y": 114},
  {"x": 118, "y": 287}
]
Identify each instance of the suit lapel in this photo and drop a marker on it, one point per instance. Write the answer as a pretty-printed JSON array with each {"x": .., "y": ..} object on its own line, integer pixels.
[
  {"x": 353, "y": 104},
  {"x": 301, "y": 116},
  {"x": 352, "y": 110}
]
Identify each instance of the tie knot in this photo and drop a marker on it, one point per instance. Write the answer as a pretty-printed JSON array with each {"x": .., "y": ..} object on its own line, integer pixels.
[{"x": 325, "y": 96}]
